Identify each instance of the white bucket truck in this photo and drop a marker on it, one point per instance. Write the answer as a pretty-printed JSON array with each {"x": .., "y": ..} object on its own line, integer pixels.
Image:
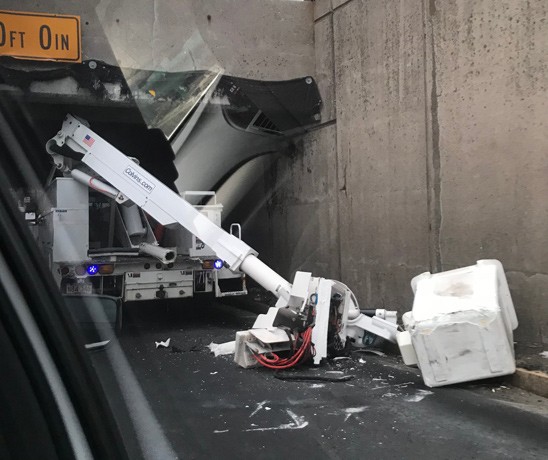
[{"x": 97, "y": 244}]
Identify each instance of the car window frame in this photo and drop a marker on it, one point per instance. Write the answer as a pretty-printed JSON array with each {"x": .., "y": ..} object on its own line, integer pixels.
[{"x": 53, "y": 323}]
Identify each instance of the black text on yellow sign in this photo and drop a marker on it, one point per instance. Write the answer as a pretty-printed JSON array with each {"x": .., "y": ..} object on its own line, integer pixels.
[{"x": 37, "y": 36}]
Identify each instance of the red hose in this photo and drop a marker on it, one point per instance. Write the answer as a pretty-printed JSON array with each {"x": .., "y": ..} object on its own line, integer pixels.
[{"x": 305, "y": 350}]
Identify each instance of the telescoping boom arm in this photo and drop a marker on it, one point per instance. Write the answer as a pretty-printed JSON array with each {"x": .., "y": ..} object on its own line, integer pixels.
[{"x": 308, "y": 301}]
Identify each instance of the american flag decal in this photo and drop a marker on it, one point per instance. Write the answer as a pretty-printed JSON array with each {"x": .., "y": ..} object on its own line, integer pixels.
[{"x": 88, "y": 140}]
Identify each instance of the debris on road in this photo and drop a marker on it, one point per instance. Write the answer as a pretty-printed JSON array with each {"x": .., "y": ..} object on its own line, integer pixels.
[
  {"x": 313, "y": 376},
  {"x": 164, "y": 344},
  {"x": 227, "y": 348},
  {"x": 544, "y": 354},
  {"x": 297, "y": 423},
  {"x": 419, "y": 396},
  {"x": 348, "y": 412},
  {"x": 258, "y": 408}
]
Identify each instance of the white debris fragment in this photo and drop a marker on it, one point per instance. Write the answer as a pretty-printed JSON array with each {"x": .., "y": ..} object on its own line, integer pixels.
[
  {"x": 164, "y": 344},
  {"x": 544, "y": 354},
  {"x": 213, "y": 373},
  {"x": 353, "y": 410},
  {"x": 362, "y": 361},
  {"x": 317, "y": 385},
  {"x": 227, "y": 348},
  {"x": 349, "y": 411},
  {"x": 403, "y": 385},
  {"x": 297, "y": 424},
  {"x": 418, "y": 396},
  {"x": 258, "y": 408},
  {"x": 220, "y": 431},
  {"x": 340, "y": 358}
]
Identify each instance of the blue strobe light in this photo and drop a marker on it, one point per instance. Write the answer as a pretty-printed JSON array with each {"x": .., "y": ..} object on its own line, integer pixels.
[
  {"x": 92, "y": 269},
  {"x": 218, "y": 264}
]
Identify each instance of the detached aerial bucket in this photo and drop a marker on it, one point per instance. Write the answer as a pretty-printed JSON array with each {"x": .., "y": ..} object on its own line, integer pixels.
[{"x": 462, "y": 323}]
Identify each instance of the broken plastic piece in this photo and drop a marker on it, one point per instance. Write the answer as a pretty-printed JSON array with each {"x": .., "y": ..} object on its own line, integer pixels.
[
  {"x": 164, "y": 344},
  {"x": 226, "y": 348},
  {"x": 242, "y": 354},
  {"x": 406, "y": 348}
]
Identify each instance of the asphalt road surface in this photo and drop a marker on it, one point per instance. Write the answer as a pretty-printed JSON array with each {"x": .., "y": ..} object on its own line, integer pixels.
[{"x": 209, "y": 408}]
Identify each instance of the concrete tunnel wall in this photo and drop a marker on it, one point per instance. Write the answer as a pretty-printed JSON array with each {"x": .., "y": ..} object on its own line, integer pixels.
[{"x": 432, "y": 153}]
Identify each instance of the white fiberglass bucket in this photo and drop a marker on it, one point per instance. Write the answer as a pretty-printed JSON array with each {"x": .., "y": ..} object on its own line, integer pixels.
[{"x": 461, "y": 324}]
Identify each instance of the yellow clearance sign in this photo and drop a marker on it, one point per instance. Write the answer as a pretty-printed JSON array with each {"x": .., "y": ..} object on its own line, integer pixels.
[{"x": 44, "y": 37}]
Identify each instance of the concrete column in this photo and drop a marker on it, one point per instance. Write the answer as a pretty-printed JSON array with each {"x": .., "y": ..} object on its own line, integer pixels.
[
  {"x": 491, "y": 77},
  {"x": 381, "y": 148}
]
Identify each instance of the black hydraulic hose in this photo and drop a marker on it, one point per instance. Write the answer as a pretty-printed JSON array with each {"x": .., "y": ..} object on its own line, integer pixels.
[
  {"x": 66, "y": 151},
  {"x": 370, "y": 313}
]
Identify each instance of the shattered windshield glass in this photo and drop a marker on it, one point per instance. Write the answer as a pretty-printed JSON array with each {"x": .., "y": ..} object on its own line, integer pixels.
[{"x": 165, "y": 99}]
